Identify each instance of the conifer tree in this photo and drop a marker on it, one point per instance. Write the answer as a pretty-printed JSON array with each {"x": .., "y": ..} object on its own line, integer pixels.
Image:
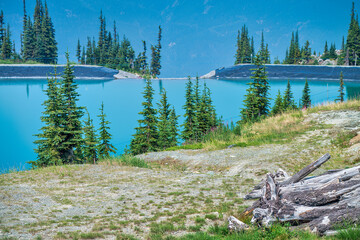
[
  {"x": 278, "y": 106},
  {"x": 305, "y": 101},
  {"x": 104, "y": 147},
  {"x": 90, "y": 141},
  {"x": 288, "y": 101},
  {"x": 2, "y": 28},
  {"x": 244, "y": 51},
  {"x": 207, "y": 114},
  {"x": 78, "y": 51},
  {"x": 164, "y": 122},
  {"x": 83, "y": 56},
  {"x": 146, "y": 136},
  {"x": 173, "y": 134},
  {"x": 341, "y": 88},
  {"x": 188, "y": 133},
  {"x": 71, "y": 151},
  {"x": 89, "y": 52},
  {"x": 256, "y": 103},
  {"x": 52, "y": 136},
  {"x": 155, "y": 56},
  {"x": 6, "y": 48},
  {"x": 326, "y": 52},
  {"x": 352, "y": 41}
]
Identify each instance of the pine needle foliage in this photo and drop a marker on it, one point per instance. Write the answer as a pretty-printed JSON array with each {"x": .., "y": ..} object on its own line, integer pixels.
[
  {"x": 341, "y": 88},
  {"x": 256, "y": 103},
  {"x": 167, "y": 120},
  {"x": 71, "y": 151},
  {"x": 51, "y": 136},
  {"x": 146, "y": 136},
  {"x": 90, "y": 141},
  {"x": 104, "y": 147},
  {"x": 189, "y": 124},
  {"x": 288, "y": 101},
  {"x": 278, "y": 106},
  {"x": 305, "y": 101}
]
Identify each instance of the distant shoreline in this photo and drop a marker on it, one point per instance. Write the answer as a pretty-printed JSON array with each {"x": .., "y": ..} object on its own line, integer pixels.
[
  {"x": 43, "y": 71},
  {"x": 281, "y": 71}
]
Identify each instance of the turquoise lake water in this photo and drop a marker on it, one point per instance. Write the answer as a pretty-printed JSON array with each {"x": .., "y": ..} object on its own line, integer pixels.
[{"x": 21, "y": 107}]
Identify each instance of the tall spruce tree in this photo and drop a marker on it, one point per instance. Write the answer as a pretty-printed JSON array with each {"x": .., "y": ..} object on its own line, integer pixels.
[
  {"x": 244, "y": 50},
  {"x": 49, "y": 150},
  {"x": 278, "y": 105},
  {"x": 155, "y": 56},
  {"x": 165, "y": 127},
  {"x": 71, "y": 151},
  {"x": 256, "y": 103},
  {"x": 2, "y": 28},
  {"x": 352, "y": 40},
  {"x": 78, "y": 51},
  {"x": 38, "y": 38},
  {"x": 6, "y": 48},
  {"x": 206, "y": 112},
  {"x": 90, "y": 141},
  {"x": 188, "y": 133},
  {"x": 146, "y": 136},
  {"x": 288, "y": 101},
  {"x": 305, "y": 101},
  {"x": 104, "y": 146},
  {"x": 173, "y": 121},
  {"x": 341, "y": 88}
]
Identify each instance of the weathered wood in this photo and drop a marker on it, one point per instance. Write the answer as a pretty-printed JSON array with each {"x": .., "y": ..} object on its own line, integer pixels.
[
  {"x": 236, "y": 225},
  {"x": 319, "y": 202},
  {"x": 306, "y": 170}
]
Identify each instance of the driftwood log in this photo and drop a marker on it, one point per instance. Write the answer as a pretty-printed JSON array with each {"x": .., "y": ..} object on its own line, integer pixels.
[{"x": 319, "y": 203}]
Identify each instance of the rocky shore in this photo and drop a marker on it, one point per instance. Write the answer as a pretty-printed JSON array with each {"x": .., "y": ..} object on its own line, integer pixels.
[
  {"x": 275, "y": 71},
  {"x": 42, "y": 71}
]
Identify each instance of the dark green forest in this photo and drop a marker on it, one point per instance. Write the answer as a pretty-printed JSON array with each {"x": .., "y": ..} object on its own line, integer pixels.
[{"x": 303, "y": 54}]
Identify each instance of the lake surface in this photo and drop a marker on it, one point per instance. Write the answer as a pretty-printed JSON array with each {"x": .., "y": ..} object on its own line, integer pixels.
[{"x": 21, "y": 107}]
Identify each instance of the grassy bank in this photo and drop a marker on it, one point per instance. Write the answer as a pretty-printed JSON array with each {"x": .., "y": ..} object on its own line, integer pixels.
[{"x": 274, "y": 129}]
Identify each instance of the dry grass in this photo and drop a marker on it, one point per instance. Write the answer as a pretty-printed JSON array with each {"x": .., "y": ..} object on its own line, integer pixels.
[{"x": 274, "y": 129}]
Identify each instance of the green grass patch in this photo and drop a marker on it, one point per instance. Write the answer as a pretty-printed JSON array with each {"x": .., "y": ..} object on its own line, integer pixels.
[
  {"x": 126, "y": 160},
  {"x": 342, "y": 139},
  {"x": 162, "y": 227},
  {"x": 193, "y": 146}
]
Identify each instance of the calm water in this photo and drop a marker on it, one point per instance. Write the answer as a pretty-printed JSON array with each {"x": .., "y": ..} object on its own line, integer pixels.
[{"x": 20, "y": 107}]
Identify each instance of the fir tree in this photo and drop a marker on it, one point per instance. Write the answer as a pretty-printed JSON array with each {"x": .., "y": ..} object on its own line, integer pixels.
[
  {"x": 173, "y": 121},
  {"x": 104, "y": 147},
  {"x": 206, "y": 112},
  {"x": 326, "y": 52},
  {"x": 2, "y": 28},
  {"x": 52, "y": 136},
  {"x": 155, "y": 56},
  {"x": 89, "y": 52},
  {"x": 352, "y": 42},
  {"x": 288, "y": 101},
  {"x": 256, "y": 103},
  {"x": 244, "y": 51},
  {"x": 78, "y": 51},
  {"x": 90, "y": 141},
  {"x": 6, "y": 48},
  {"x": 83, "y": 56},
  {"x": 164, "y": 123},
  {"x": 305, "y": 101},
  {"x": 278, "y": 106},
  {"x": 146, "y": 136},
  {"x": 341, "y": 88},
  {"x": 188, "y": 133},
  {"x": 71, "y": 115}
]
